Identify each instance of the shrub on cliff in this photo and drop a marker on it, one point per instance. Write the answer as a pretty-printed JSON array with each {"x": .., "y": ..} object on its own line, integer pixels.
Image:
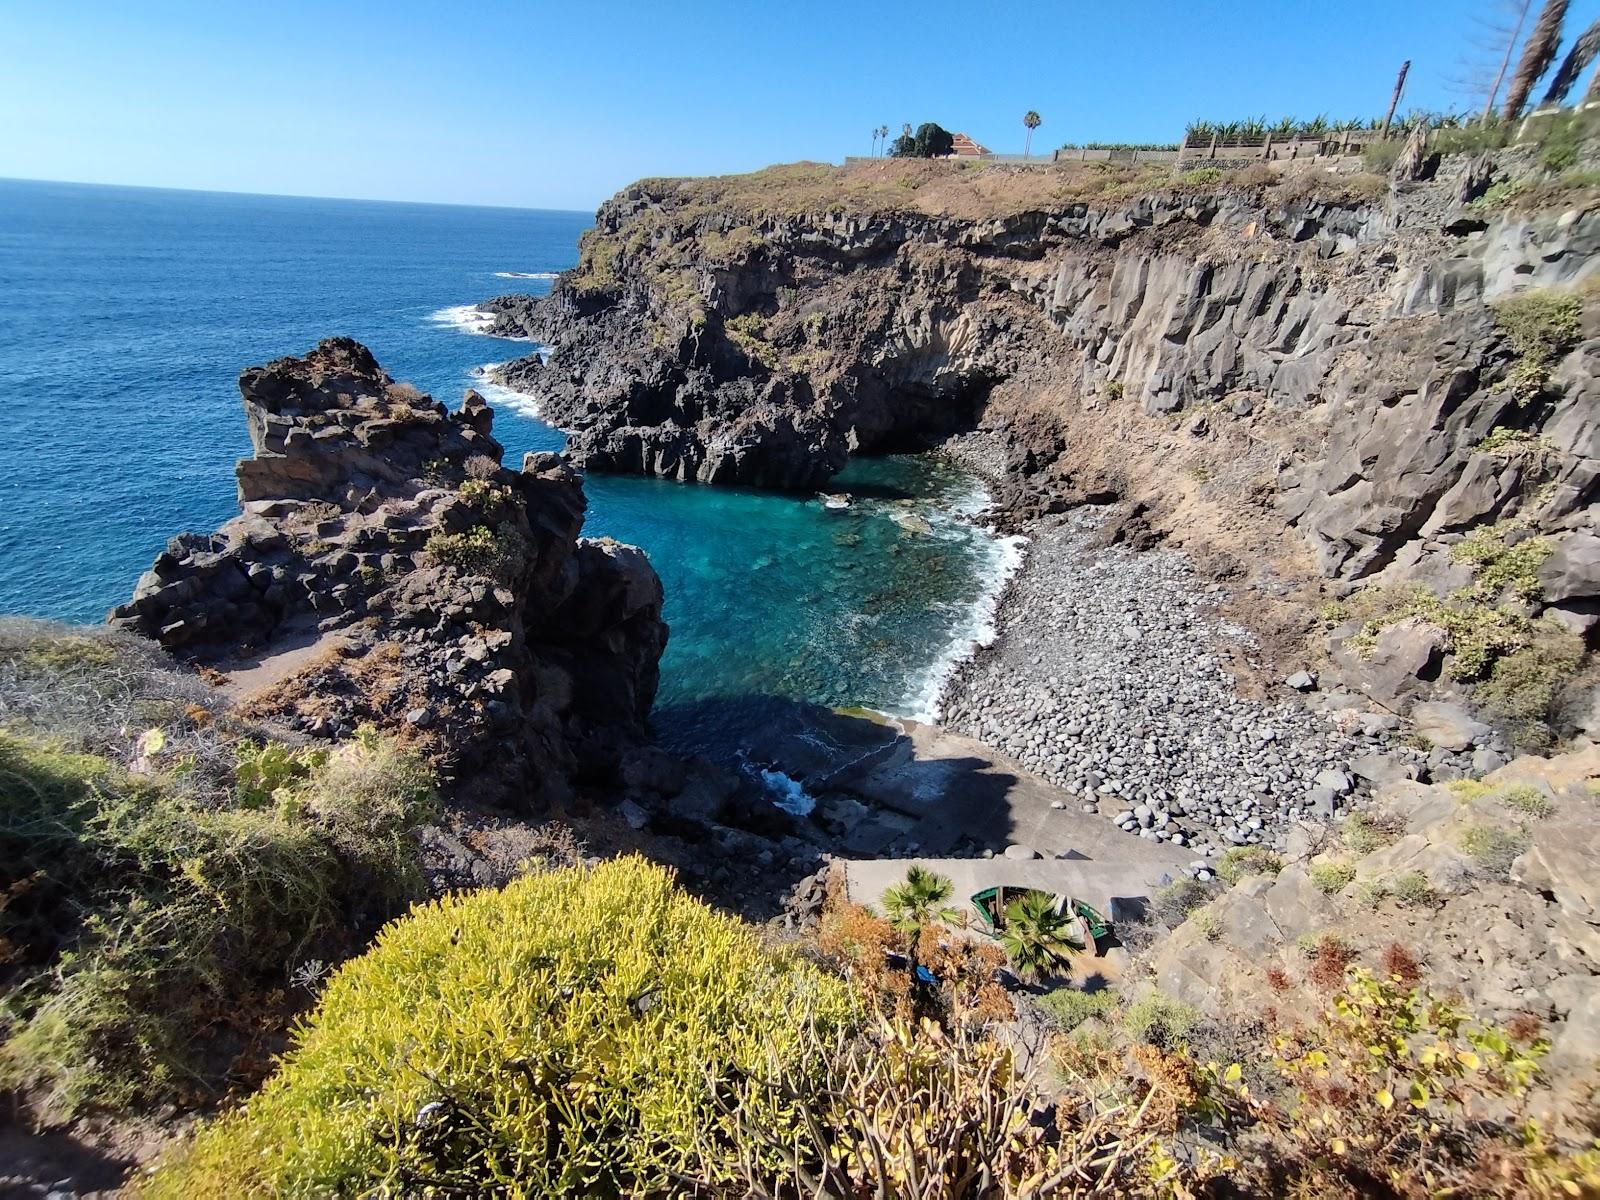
[
  {"x": 497, "y": 554},
  {"x": 1540, "y": 326},
  {"x": 157, "y": 888},
  {"x": 559, "y": 1037},
  {"x": 140, "y": 923}
]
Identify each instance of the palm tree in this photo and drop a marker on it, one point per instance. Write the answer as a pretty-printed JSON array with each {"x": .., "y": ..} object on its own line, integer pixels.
[
  {"x": 1032, "y": 121},
  {"x": 1036, "y": 936},
  {"x": 1537, "y": 55},
  {"x": 919, "y": 900},
  {"x": 883, "y": 137},
  {"x": 1582, "y": 53}
]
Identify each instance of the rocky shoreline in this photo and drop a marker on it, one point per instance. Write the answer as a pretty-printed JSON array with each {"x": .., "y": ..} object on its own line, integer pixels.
[{"x": 1113, "y": 677}]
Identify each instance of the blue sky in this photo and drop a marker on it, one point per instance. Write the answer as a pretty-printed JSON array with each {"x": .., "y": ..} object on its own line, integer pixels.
[{"x": 546, "y": 105}]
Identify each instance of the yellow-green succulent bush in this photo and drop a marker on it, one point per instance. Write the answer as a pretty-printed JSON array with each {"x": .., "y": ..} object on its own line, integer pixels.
[
  {"x": 499, "y": 554},
  {"x": 1541, "y": 326},
  {"x": 560, "y": 1037},
  {"x": 1240, "y": 862}
]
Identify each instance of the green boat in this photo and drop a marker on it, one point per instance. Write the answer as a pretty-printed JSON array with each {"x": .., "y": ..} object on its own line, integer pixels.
[{"x": 991, "y": 905}]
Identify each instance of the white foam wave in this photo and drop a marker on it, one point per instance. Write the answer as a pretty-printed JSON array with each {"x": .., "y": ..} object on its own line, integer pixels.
[
  {"x": 501, "y": 396},
  {"x": 787, "y": 793},
  {"x": 526, "y": 274},
  {"x": 979, "y": 625},
  {"x": 466, "y": 317}
]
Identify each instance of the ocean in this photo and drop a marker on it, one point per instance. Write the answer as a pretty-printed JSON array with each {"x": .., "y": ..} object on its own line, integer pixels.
[{"x": 126, "y": 315}]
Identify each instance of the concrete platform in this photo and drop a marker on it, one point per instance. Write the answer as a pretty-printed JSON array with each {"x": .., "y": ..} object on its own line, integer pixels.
[{"x": 1114, "y": 888}]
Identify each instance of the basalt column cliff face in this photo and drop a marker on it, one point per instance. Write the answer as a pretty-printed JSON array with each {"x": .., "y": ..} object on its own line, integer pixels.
[
  {"x": 1315, "y": 370},
  {"x": 387, "y": 569}
]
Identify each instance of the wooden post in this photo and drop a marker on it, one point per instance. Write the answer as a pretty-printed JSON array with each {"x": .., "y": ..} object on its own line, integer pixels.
[{"x": 1394, "y": 100}]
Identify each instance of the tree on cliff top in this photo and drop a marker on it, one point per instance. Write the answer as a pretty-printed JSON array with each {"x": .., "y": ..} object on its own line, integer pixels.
[
  {"x": 930, "y": 141},
  {"x": 1032, "y": 120}
]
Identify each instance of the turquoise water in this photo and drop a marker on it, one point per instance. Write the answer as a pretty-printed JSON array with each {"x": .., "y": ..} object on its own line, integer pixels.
[{"x": 126, "y": 315}]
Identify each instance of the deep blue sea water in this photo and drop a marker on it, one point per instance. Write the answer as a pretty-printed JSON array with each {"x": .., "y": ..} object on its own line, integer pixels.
[{"x": 126, "y": 315}]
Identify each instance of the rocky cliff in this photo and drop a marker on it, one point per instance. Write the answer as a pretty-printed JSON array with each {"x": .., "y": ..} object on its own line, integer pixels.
[
  {"x": 1309, "y": 375},
  {"x": 1484, "y": 887},
  {"x": 387, "y": 569}
]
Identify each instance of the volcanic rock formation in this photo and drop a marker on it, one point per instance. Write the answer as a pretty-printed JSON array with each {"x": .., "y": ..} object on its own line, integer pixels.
[{"x": 387, "y": 569}]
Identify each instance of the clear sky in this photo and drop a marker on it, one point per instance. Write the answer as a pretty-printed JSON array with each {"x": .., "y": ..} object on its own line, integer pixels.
[{"x": 558, "y": 105}]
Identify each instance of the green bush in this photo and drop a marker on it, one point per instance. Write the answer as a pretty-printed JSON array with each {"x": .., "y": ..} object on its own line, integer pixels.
[
  {"x": 1412, "y": 889},
  {"x": 498, "y": 554},
  {"x": 1323, "y": 941},
  {"x": 1363, "y": 833},
  {"x": 1159, "y": 1020},
  {"x": 1518, "y": 666},
  {"x": 1201, "y": 177},
  {"x": 1331, "y": 877},
  {"x": 1172, "y": 904},
  {"x": 1558, "y": 149},
  {"x": 485, "y": 496},
  {"x": 1069, "y": 1007},
  {"x": 1540, "y": 326},
  {"x": 1237, "y": 863},
  {"x": 1502, "y": 565},
  {"x": 1529, "y": 800},
  {"x": 559, "y": 1037},
  {"x": 1498, "y": 196},
  {"x": 1491, "y": 848},
  {"x": 1524, "y": 685},
  {"x": 1380, "y": 157},
  {"x": 142, "y": 920}
]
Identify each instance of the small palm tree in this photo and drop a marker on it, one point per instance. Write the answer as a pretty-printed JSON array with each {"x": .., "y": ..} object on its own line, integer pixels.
[
  {"x": 1036, "y": 936},
  {"x": 883, "y": 137},
  {"x": 1032, "y": 120},
  {"x": 922, "y": 898}
]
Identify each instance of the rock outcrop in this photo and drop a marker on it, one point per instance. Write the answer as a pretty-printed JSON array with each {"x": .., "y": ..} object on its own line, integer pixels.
[{"x": 386, "y": 568}]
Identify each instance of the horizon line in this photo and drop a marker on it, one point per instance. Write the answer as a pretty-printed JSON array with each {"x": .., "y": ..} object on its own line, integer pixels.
[{"x": 156, "y": 187}]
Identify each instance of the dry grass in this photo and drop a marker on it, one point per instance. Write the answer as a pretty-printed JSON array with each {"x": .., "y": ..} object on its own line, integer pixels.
[{"x": 946, "y": 188}]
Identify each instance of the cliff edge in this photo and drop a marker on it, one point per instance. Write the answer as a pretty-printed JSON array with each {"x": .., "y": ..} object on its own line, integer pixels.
[{"x": 1328, "y": 387}]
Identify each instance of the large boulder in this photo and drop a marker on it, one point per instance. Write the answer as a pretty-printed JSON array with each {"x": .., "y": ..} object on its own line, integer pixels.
[
  {"x": 1447, "y": 726},
  {"x": 1572, "y": 572},
  {"x": 1403, "y": 662}
]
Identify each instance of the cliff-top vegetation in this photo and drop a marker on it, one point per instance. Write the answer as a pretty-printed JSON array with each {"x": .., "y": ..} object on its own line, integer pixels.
[{"x": 956, "y": 188}]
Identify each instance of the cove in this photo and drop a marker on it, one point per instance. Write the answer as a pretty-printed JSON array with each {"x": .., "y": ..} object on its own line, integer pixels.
[{"x": 128, "y": 313}]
